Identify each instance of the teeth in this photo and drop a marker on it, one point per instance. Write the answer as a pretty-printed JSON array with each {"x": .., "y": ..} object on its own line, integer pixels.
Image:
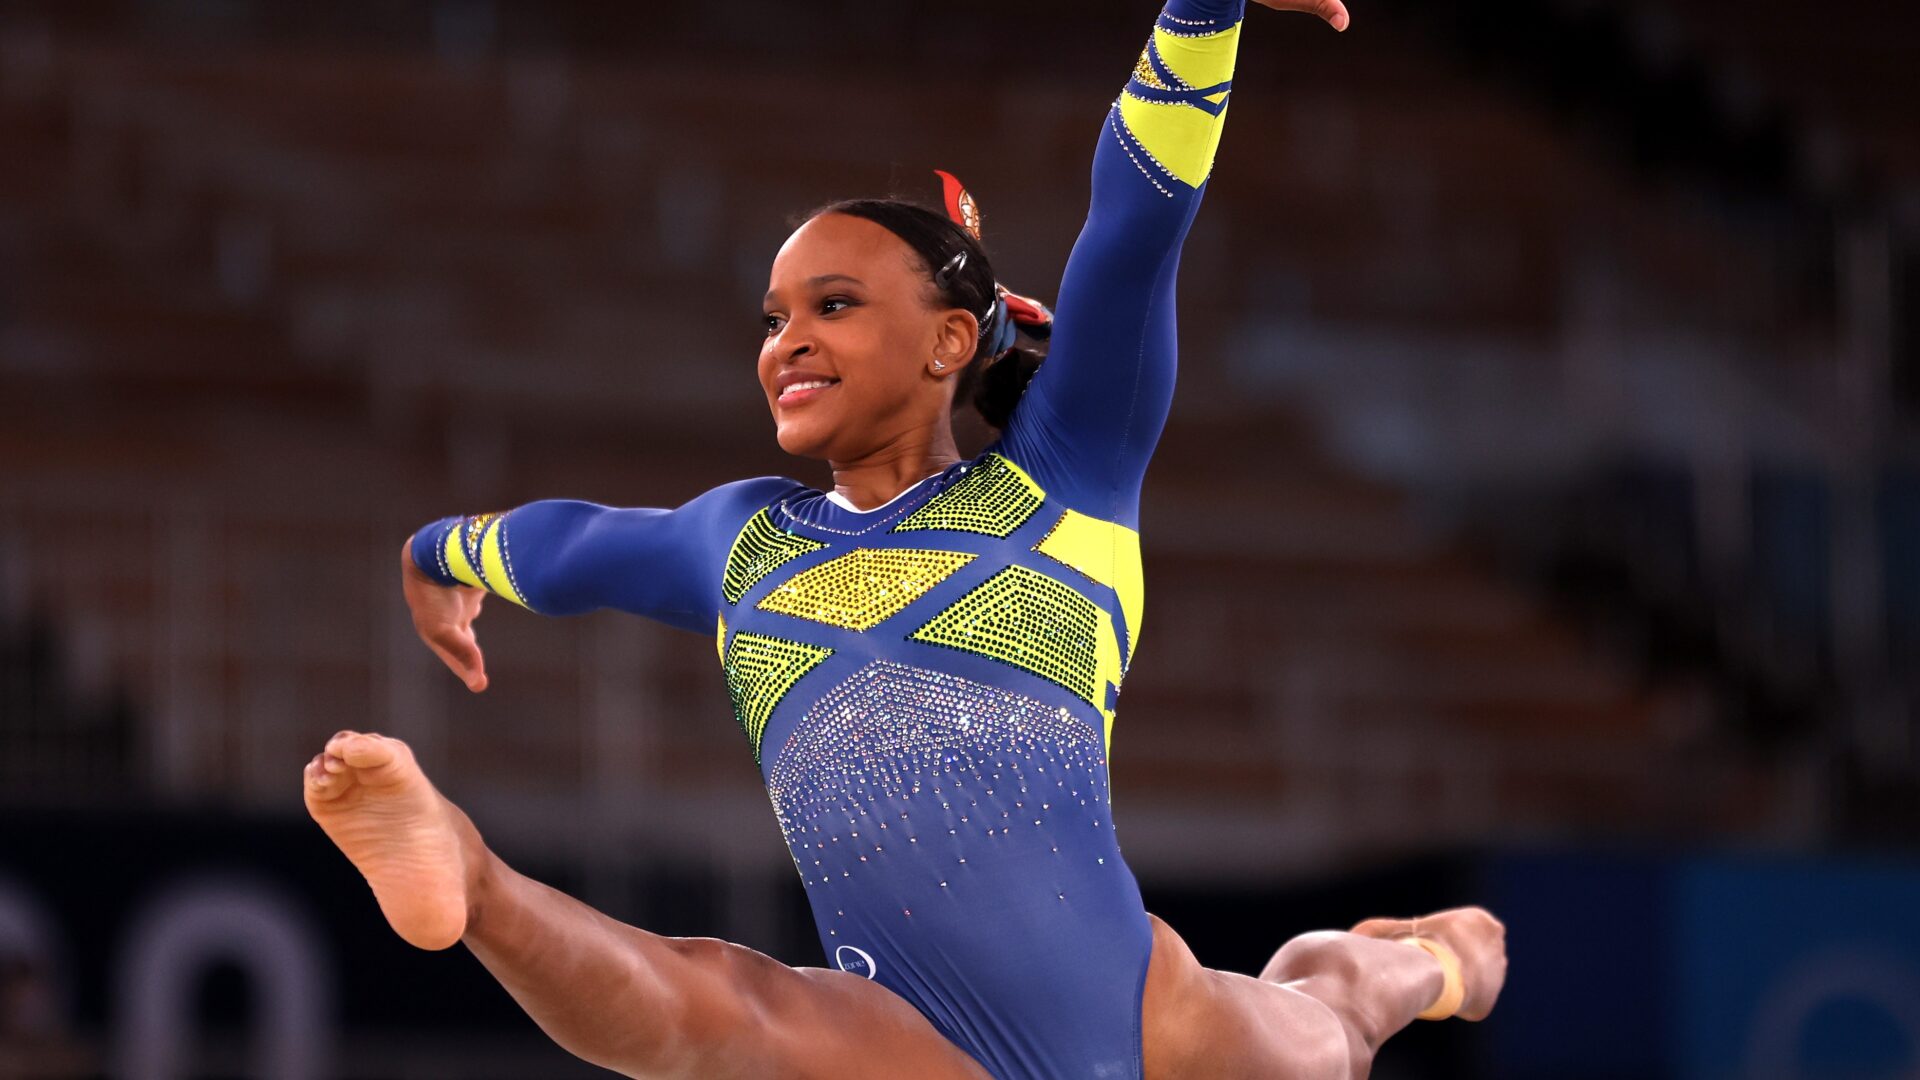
[{"x": 817, "y": 384}]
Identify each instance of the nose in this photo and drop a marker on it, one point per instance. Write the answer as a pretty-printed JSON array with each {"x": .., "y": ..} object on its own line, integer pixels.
[{"x": 791, "y": 343}]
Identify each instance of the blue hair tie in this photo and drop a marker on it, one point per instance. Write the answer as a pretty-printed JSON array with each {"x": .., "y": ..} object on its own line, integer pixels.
[{"x": 1001, "y": 326}]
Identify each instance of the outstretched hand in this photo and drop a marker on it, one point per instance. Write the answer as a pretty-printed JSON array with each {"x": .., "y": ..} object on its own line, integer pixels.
[
  {"x": 443, "y": 617},
  {"x": 1333, "y": 11}
]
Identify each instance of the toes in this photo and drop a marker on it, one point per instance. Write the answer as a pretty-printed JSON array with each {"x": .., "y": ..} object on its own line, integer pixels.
[
  {"x": 320, "y": 783},
  {"x": 357, "y": 741},
  {"x": 363, "y": 751},
  {"x": 357, "y": 758}
]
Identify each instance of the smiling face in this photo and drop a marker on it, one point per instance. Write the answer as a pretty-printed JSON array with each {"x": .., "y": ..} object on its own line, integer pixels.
[{"x": 853, "y": 330}]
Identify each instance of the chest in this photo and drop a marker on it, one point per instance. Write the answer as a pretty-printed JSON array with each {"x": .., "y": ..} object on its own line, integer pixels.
[{"x": 984, "y": 575}]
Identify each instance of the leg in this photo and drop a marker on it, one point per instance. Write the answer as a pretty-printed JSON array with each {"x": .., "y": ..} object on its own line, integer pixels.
[
  {"x": 1376, "y": 986},
  {"x": 1201, "y": 1024},
  {"x": 614, "y": 995},
  {"x": 1372, "y": 987},
  {"x": 1322, "y": 1007}
]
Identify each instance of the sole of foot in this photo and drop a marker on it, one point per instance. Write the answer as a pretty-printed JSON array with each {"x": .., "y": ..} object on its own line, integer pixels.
[{"x": 371, "y": 798}]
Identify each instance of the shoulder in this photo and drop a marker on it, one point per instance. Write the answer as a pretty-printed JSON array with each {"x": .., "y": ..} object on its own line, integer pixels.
[
  {"x": 750, "y": 495},
  {"x": 720, "y": 513}
]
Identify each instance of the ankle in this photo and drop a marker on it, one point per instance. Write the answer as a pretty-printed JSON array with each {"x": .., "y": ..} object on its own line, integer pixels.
[{"x": 480, "y": 868}]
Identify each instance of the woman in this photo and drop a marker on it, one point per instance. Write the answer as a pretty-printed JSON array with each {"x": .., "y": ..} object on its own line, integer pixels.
[{"x": 925, "y": 663}]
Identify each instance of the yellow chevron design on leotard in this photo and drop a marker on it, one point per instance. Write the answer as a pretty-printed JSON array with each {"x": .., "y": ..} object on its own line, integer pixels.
[
  {"x": 863, "y": 588},
  {"x": 1107, "y": 553},
  {"x": 995, "y": 498},
  {"x": 760, "y": 670},
  {"x": 759, "y": 550},
  {"x": 1024, "y": 618}
]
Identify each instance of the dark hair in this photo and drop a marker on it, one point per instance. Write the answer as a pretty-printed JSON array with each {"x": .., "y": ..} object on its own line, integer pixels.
[{"x": 992, "y": 385}]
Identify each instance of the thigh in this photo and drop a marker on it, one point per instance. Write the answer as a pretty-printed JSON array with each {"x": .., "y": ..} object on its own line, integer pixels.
[
  {"x": 1199, "y": 1023},
  {"x": 764, "y": 1019}
]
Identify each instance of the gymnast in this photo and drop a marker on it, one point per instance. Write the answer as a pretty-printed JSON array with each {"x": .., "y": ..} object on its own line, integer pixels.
[{"x": 925, "y": 663}]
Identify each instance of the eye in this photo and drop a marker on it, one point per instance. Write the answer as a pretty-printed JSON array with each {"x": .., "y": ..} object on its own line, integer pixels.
[
  {"x": 835, "y": 303},
  {"x": 771, "y": 324}
]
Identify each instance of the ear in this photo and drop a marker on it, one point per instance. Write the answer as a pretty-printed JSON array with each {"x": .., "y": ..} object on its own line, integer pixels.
[{"x": 956, "y": 339}]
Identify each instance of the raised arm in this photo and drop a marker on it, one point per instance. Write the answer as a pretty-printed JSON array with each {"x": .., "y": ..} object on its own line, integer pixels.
[
  {"x": 564, "y": 557},
  {"x": 1095, "y": 410}
]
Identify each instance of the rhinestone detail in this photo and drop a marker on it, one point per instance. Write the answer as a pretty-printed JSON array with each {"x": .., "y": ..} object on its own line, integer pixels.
[
  {"x": 759, "y": 550},
  {"x": 863, "y": 588},
  {"x": 760, "y": 670},
  {"x": 1027, "y": 619},
  {"x": 994, "y": 499}
]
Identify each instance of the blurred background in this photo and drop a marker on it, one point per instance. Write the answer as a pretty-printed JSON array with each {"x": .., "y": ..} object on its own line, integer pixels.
[{"x": 1538, "y": 525}]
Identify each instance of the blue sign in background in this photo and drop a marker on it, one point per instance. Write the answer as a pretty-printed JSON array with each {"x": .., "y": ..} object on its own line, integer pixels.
[
  {"x": 1706, "y": 968},
  {"x": 1798, "y": 969}
]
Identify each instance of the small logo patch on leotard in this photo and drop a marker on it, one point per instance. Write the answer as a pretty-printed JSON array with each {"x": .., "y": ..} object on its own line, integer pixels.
[{"x": 854, "y": 961}]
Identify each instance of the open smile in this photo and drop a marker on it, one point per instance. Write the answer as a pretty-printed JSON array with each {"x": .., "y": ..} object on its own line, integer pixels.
[{"x": 803, "y": 391}]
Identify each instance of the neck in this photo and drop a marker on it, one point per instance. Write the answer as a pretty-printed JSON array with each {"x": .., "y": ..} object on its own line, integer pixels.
[{"x": 876, "y": 478}]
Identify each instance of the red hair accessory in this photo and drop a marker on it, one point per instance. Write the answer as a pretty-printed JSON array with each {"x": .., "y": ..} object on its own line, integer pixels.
[
  {"x": 1024, "y": 311},
  {"x": 1027, "y": 312},
  {"x": 960, "y": 205}
]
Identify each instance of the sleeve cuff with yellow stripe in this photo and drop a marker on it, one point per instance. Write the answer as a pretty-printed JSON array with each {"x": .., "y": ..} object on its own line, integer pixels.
[
  {"x": 1176, "y": 101},
  {"x": 471, "y": 551}
]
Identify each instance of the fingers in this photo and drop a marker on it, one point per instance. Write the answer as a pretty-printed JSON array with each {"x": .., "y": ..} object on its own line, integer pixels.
[
  {"x": 1333, "y": 11},
  {"x": 443, "y": 617},
  {"x": 473, "y": 666},
  {"x": 460, "y": 651}
]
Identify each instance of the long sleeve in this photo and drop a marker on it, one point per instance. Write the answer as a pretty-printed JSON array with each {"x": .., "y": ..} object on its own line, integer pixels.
[
  {"x": 1092, "y": 415},
  {"x": 564, "y": 557}
]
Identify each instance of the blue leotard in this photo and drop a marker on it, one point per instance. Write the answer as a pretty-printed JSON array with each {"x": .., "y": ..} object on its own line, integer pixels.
[{"x": 929, "y": 686}]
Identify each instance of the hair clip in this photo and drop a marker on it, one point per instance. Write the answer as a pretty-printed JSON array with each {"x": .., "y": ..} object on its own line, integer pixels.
[{"x": 947, "y": 273}]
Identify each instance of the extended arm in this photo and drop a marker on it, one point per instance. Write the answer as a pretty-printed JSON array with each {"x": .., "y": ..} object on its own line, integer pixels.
[
  {"x": 564, "y": 557},
  {"x": 1091, "y": 417}
]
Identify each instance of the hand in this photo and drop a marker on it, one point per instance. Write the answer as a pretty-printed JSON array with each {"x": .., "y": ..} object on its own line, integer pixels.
[
  {"x": 443, "y": 617},
  {"x": 1333, "y": 11},
  {"x": 1474, "y": 935}
]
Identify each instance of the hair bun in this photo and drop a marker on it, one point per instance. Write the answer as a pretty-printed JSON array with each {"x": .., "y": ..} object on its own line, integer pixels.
[{"x": 1005, "y": 379}]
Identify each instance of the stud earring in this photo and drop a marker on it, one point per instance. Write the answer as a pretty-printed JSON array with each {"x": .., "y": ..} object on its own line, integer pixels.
[{"x": 939, "y": 366}]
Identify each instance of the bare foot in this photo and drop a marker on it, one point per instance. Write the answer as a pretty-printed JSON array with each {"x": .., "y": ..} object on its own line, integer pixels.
[
  {"x": 1474, "y": 935},
  {"x": 408, "y": 841}
]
